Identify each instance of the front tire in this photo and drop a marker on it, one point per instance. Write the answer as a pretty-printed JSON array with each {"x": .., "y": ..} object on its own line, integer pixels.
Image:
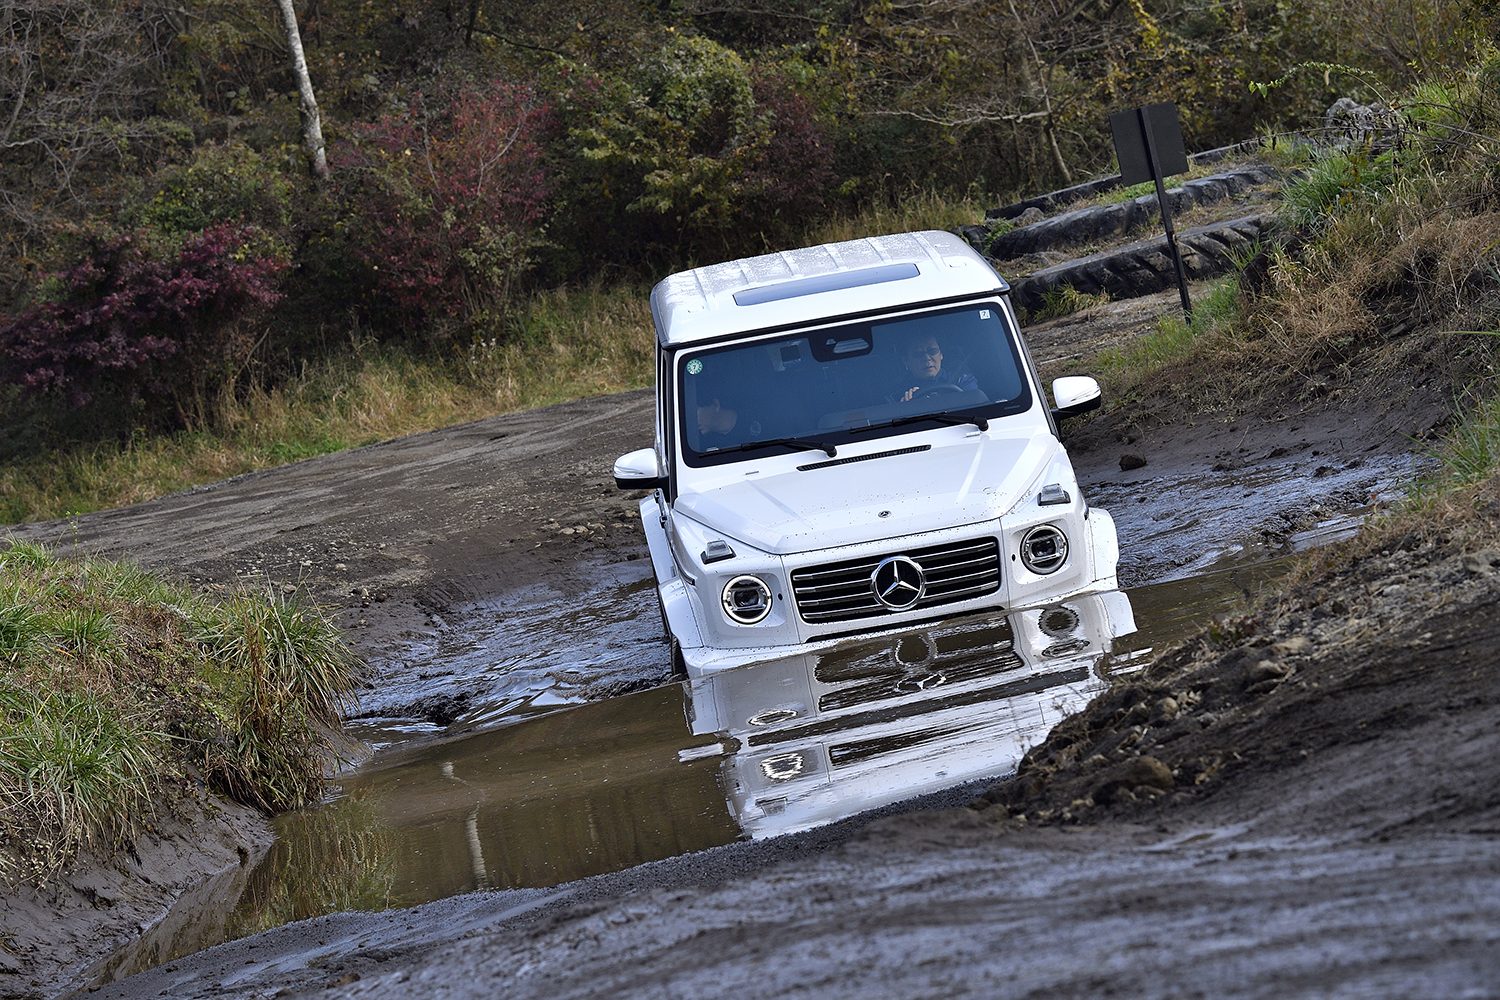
[{"x": 679, "y": 665}]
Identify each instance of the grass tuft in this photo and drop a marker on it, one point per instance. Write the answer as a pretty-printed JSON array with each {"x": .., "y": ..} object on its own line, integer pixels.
[
  {"x": 920, "y": 209},
  {"x": 119, "y": 691},
  {"x": 1175, "y": 343},
  {"x": 1064, "y": 300}
]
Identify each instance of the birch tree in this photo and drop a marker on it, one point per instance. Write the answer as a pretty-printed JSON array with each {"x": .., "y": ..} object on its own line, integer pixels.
[{"x": 312, "y": 126}]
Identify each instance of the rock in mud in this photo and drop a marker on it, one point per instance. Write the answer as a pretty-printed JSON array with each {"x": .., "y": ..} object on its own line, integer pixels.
[
  {"x": 1481, "y": 562},
  {"x": 1297, "y": 645},
  {"x": 1128, "y": 462},
  {"x": 1138, "y": 772},
  {"x": 441, "y": 709},
  {"x": 1265, "y": 670}
]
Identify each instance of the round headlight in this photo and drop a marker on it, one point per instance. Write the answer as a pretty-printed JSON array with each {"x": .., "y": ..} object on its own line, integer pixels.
[
  {"x": 1044, "y": 549},
  {"x": 747, "y": 599}
]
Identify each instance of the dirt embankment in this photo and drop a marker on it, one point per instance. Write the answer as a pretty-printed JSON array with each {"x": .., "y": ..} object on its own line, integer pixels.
[
  {"x": 1388, "y": 665},
  {"x": 111, "y": 912}
]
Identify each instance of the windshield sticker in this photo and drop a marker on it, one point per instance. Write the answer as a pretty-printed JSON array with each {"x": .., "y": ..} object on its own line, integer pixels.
[
  {"x": 984, "y": 314},
  {"x": 694, "y": 366}
]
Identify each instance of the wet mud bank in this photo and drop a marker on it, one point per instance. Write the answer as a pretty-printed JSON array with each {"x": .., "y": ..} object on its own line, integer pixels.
[
  {"x": 1297, "y": 804},
  {"x": 110, "y": 916}
]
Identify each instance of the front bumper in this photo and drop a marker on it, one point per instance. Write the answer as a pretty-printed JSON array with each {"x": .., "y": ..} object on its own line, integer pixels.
[{"x": 709, "y": 642}]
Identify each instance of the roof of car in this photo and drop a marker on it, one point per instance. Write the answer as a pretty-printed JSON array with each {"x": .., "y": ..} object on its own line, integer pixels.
[{"x": 795, "y": 287}]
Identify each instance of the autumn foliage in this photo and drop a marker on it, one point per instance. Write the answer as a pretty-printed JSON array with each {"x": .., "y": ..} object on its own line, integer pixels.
[
  {"x": 160, "y": 328},
  {"x": 446, "y": 198}
]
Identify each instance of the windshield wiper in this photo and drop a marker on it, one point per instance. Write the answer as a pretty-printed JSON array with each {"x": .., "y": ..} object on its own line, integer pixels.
[
  {"x": 941, "y": 416},
  {"x": 799, "y": 444}
]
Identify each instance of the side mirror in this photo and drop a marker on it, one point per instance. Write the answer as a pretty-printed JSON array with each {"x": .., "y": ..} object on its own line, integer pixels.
[
  {"x": 639, "y": 470},
  {"x": 1075, "y": 394}
]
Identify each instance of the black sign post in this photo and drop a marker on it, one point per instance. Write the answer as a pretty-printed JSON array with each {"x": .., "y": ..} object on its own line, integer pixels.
[{"x": 1148, "y": 144}]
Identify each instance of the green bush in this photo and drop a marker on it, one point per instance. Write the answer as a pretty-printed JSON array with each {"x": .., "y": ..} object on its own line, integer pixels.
[
  {"x": 228, "y": 182},
  {"x": 694, "y": 152}
]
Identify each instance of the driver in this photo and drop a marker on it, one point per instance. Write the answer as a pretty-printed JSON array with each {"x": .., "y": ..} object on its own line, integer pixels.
[{"x": 923, "y": 360}]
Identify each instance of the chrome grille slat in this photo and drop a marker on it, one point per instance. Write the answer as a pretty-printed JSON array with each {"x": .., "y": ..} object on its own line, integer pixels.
[
  {"x": 950, "y": 567},
  {"x": 840, "y": 591},
  {"x": 842, "y": 570},
  {"x": 978, "y": 571}
]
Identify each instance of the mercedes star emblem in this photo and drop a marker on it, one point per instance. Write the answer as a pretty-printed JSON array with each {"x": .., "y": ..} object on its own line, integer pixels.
[{"x": 898, "y": 582}]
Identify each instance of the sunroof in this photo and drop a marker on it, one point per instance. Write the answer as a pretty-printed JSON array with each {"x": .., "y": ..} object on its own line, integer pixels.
[{"x": 831, "y": 282}]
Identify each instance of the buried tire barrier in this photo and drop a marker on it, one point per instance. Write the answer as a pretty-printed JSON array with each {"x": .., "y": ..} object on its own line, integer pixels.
[
  {"x": 1105, "y": 221},
  {"x": 1145, "y": 267},
  {"x": 1053, "y": 200}
]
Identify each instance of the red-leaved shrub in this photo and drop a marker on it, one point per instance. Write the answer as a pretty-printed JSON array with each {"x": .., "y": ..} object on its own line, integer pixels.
[
  {"x": 447, "y": 199},
  {"x": 788, "y": 179},
  {"x": 163, "y": 328}
]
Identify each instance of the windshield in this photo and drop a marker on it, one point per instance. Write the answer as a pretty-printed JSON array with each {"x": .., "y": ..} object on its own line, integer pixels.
[{"x": 852, "y": 382}]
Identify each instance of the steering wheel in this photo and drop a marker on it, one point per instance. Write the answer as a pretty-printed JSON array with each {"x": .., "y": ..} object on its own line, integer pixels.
[{"x": 935, "y": 390}]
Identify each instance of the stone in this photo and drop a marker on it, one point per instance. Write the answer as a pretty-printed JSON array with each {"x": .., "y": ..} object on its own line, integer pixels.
[
  {"x": 1164, "y": 710},
  {"x": 1266, "y": 670},
  {"x": 1030, "y": 217},
  {"x": 1148, "y": 771},
  {"x": 1128, "y": 462},
  {"x": 1117, "y": 783},
  {"x": 1481, "y": 562},
  {"x": 1296, "y": 645}
]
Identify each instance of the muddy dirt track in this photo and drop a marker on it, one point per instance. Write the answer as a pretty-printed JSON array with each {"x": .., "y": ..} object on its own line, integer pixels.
[{"x": 1313, "y": 814}]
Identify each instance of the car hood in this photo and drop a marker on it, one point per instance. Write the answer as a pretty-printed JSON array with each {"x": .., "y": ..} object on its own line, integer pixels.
[{"x": 950, "y": 485}]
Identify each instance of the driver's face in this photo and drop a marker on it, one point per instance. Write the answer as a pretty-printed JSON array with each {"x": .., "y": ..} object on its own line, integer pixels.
[{"x": 924, "y": 358}]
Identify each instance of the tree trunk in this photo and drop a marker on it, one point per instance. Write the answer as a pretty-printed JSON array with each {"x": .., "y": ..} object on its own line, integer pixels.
[{"x": 312, "y": 126}]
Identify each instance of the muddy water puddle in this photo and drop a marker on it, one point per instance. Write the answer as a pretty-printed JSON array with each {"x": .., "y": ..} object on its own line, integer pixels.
[
  {"x": 530, "y": 652},
  {"x": 753, "y": 752},
  {"x": 1178, "y": 526}
]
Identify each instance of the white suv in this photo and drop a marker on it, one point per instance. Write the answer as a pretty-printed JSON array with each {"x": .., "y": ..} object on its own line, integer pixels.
[{"x": 852, "y": 438}]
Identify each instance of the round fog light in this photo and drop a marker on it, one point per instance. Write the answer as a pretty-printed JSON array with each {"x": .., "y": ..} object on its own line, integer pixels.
[
  {"x": 747, "y": 599},
  {"x": 1044, "y": 549}
]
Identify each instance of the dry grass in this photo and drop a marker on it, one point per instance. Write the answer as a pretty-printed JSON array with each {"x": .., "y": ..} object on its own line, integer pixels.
[
  {"x": 920, "y": 209},
  {"x": 570, "y": 344},
  {"x": 1388, "y": 255}
]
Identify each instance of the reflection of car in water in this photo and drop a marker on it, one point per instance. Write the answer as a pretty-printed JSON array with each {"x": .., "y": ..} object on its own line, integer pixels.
[
  {"x": 852, "y": 438},
  {"x": 824, "y": 735}
]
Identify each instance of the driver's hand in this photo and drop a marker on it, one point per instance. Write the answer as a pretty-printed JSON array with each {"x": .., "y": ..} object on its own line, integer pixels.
[{"x": 910, "y": 393}]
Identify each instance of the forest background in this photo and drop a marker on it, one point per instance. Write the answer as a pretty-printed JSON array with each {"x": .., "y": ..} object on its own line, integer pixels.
[{"x": 182, "y": 297}]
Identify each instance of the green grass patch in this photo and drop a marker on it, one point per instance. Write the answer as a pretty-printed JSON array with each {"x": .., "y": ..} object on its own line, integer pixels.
[
  {"x": 120, "y": 691},
  {"x": 1336, "y": 182},
  {"x": 919, "y": 209},
  {"x": 1470, "y": 452},
  {"x": 1133, "y": 191},
  {"x": 1175, "y": 341}
]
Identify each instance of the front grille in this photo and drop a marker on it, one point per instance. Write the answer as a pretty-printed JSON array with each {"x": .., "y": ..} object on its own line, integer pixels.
[{"x": 840, "y": 592}]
